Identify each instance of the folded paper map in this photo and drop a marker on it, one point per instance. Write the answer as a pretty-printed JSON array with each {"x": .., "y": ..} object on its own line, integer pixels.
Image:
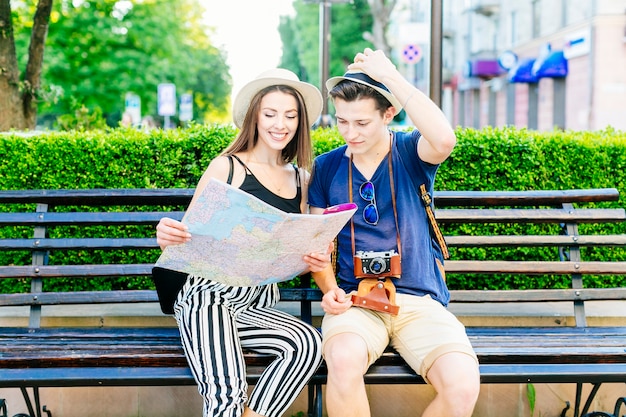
[{"x": 239, "y": 240}]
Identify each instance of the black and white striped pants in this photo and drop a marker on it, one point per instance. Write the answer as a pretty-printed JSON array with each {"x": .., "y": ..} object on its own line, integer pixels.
[{"x": 218, "y": 321}]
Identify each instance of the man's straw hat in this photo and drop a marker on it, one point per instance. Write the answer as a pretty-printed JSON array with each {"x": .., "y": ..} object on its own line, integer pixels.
[{"x": 363, "y": 78}]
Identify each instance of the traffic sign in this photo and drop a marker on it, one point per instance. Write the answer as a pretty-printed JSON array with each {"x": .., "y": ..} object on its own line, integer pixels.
[
  {"x": 412, "y": 54},
  {"x": 185, "y": 108},
  {"x": 133, "y": 107},
  {"x": 166, "y": 95}
]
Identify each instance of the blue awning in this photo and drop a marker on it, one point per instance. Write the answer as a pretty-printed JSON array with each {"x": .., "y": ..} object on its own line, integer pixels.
[
  {"x": 523, "y": 72},
  {"x": 554, "y": 66}
]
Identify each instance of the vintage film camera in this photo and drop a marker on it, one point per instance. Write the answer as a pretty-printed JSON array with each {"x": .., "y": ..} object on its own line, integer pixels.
[
  {"x": 376, "y": 290},
  {"x": 372, "y": 264}
]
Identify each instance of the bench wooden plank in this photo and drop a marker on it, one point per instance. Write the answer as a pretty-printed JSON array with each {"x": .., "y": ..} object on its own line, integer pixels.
[
  {"x": 535, "y": 240},
  {"x": 176, "y": 196},
  {"x": 443, "y": 216},
  {"x": 530, "y": 215},
  {"x": 85, "y": 218},
  {"x": 161, "y": 346},
  {"x": 79, "y": 297},
  {"x": 487, "y": 267},
  {"x": 490, "y": 374},
  {"x": 314, "y": 295},
  {"x": 99, "y": 197},
  {"x": 96, "y": 270},
  {"x": 535, "y": 354},
  {"x": 78, "y": 243},
  {"x": 126, "y": 296},
  {"x": 538, "y": 295},
  {"x": 451, "y": 240},
  {"x": 523, "y": 198},
  {"x": 535, "y": 267}
]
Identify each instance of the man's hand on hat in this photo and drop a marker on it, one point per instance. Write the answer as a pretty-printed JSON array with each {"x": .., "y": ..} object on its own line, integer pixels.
[{"x": 373, "y": 63}]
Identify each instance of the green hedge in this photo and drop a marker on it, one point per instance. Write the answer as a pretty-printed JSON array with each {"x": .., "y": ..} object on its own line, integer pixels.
[
  {"x": 514, "y": 159},
  {"x": 487, "y": 159}
]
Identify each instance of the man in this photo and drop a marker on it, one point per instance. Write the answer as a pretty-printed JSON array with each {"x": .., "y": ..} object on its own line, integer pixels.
[{"x": 381, "y": 172}]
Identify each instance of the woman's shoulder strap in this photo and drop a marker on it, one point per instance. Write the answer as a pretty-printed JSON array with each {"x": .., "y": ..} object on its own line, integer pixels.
[{"x": 230, "y": 169}]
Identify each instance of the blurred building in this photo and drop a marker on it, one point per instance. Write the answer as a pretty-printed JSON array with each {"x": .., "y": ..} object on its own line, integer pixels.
[{"x": 541, "y": 64}]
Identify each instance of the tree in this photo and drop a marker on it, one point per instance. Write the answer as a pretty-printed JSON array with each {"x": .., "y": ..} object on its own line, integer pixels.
[
  {"x": 381, "y": 12},
  {"x": 300, "y": 37},
  {"x": 18, "y": 95},
  {"x": 98, "y": 50}
]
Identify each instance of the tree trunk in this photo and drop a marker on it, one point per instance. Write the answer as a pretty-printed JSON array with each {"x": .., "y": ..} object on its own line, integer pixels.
[
  {"x": 11, "y": 115},
  {"x": 18, "y": 101},
  {"x": 381, "y": 13}
]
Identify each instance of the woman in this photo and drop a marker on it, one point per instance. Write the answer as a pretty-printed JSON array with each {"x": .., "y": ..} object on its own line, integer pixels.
[{"x": 217, "y": 321}]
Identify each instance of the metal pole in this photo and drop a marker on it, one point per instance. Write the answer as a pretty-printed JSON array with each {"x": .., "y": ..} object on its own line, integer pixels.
[
  {"x": 436, "y": 35},
  {"x": 324, "y": 47}
]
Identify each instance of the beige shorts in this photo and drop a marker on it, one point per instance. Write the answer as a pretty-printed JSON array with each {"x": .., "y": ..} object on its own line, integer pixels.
[{"x": 421, "y": 332}]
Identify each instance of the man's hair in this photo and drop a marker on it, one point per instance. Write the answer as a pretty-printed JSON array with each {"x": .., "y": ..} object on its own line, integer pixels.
[{"x": 349, "y": 91}]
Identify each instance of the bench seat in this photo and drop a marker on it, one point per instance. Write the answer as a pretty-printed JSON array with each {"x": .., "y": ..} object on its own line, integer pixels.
[{"x": 153, "y": 356}]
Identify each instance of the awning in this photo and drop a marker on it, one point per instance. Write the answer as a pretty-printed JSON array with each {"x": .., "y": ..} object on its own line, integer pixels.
[
  {"x": 554, "y": 66},
  {"x": 523, "y": 72},
  {"x": 484, "y": 68}
]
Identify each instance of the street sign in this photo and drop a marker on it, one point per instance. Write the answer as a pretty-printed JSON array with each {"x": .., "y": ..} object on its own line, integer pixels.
[
  {"x": 133, "y": 107},
  {"x": 185, "y": 108},
  {"x": 166, "y": 95},
  {"x": 412, "y": 54}
]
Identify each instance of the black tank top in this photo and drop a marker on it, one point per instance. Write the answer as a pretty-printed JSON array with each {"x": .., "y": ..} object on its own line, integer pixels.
[{"x": 253, "y": 186}]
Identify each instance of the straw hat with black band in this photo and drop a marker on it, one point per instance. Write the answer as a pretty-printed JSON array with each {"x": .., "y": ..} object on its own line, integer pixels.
[
  {"x": 277, "y": 76},
  {"x": 363, "y": 78}
]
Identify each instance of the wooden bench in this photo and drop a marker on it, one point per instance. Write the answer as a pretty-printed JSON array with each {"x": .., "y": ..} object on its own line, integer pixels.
[{"x": 54, "y": 222}]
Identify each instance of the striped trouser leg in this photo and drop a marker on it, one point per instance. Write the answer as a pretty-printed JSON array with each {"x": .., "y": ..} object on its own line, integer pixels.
[
  {"x": 211, "y": 343},
  {"x": 297, "y": 347},
  {"x": 217, "y": 321}
]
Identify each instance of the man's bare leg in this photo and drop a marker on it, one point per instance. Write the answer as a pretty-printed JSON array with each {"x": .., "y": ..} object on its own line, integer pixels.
[
  {"x": 456, "y": 379},
  {"x": 346, "y": 358}
]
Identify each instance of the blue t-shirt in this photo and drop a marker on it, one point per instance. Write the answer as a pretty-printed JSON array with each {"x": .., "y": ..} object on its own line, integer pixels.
[{"x": 420, "y": 273}]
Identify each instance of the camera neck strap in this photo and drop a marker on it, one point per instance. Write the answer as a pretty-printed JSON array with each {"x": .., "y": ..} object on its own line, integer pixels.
[{"x": 393, "y": 200}]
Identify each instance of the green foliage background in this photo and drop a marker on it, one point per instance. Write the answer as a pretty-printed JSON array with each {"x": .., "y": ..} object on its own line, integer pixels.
[
  {"x": 488, "y": 160},
  {"x": 301, "y": 40},
  {"x": 99, "y": 50}
]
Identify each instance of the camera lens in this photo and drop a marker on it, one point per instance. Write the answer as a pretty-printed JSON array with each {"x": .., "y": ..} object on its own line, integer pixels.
[{"x": 378, "y": 265}]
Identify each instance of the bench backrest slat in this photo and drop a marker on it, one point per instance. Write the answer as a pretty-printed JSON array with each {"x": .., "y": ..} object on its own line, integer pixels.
[
  {"x": 311, "y": 294},
  {"x": 80, "y": 297},
  {"x": 510, "y": 296},
  {"x": 554, "y": 198},
  {"x": 78, "y": 243},
  {"x": 452, "y": 241},
  {"x": 86, "y": 218},
  {"x": 57, "y": 271},
  {"x": 530, "y": 215},
  {"x": 177, "y": 196},
  {"x": 535, "y": 267},
  {"x": 536, "y": 240},
  {"x": 451, "y": 267}
]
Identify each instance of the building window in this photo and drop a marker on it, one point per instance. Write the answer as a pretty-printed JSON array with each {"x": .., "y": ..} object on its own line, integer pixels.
[
  {"x": 536, "y": 18},
  {"x": 576, "y": 11},
  {"x": 513, "y": 26}
]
